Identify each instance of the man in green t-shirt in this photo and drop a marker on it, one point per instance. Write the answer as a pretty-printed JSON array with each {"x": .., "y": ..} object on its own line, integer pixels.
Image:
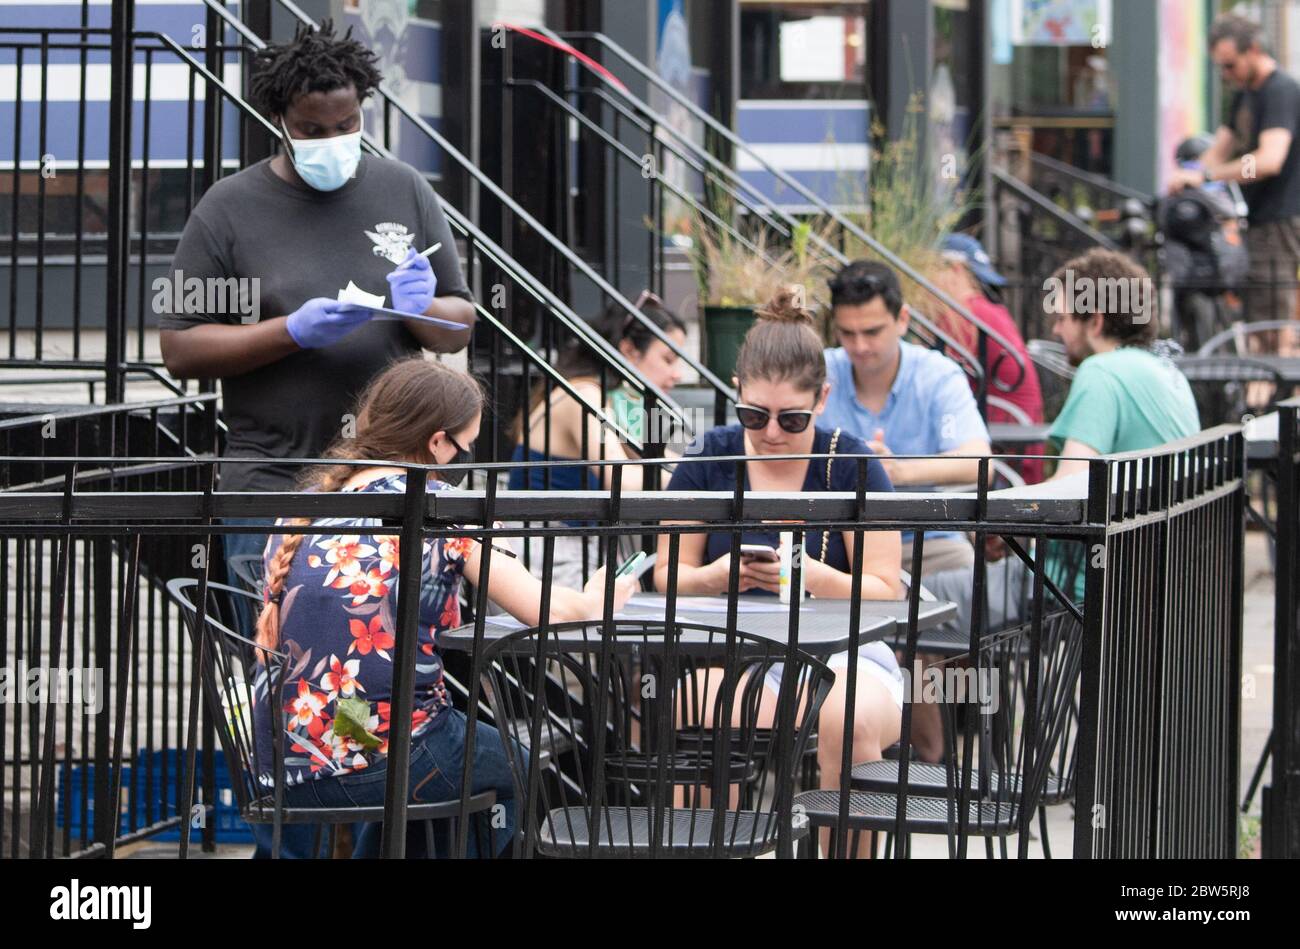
[{"x": 1123, "y": 398}]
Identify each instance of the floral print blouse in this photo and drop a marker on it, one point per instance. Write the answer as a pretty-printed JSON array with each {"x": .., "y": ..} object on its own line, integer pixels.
[{"x": 337, "y": 623}]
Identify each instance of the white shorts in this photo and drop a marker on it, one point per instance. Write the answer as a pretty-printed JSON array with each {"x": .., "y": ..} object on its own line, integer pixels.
[{"x": 874, "y": 659}]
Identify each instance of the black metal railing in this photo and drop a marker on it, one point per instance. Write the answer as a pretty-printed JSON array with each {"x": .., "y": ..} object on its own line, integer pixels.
[
  {"x": 1121, "y": 213},
  {"x": 1281, "y": 800},
  {"x": 1160, "y": 713},
  {"x": 501, "y": 221},
  {"x": 596, "y": 115},
  {"x": 1157, "y": 709},
  {"x": 119, "y": 337}
]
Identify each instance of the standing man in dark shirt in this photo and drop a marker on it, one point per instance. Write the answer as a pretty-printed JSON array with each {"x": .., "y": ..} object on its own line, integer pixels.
[
  {"x": 1259, "y": 150},
  {"x": 301, "y": 226},
  {"x": 289, "y": 233}
]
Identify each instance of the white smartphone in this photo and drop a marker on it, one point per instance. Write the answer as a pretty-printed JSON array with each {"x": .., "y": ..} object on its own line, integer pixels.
[{"x": 759, "y": 552}]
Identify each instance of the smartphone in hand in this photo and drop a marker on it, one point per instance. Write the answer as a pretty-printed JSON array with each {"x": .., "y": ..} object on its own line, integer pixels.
[
  {"x": 759, "y": 552},
  {"x": 630, "y": 566}
]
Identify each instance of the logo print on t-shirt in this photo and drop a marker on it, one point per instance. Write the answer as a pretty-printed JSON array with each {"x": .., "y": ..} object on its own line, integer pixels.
[{"x": 391, "y": 241}]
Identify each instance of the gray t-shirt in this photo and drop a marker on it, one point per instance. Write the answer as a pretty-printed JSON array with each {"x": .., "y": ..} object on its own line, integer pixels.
[{"x": 301, "y": 243}]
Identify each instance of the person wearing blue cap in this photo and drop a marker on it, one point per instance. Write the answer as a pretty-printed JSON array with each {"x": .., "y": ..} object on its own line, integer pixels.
[{"x": 968, "y": 276}]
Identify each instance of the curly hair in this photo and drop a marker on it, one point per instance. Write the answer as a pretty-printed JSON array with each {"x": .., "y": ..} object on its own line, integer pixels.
[
  {"x": 1107, "y": 282},
  {"x": 315, "y": 61}
]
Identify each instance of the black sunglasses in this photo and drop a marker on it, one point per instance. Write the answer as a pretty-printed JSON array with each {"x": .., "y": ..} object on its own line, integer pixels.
[
  {"x": 869, "y": 284},
  {"x": 793, "y": 421}
]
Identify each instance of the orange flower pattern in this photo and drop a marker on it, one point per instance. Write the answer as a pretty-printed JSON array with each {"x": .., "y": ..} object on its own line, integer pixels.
[{"x": 340, "y": 634}]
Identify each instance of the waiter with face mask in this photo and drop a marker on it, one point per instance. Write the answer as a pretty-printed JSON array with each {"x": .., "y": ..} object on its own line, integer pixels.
[{"x": 292, "y": 231}]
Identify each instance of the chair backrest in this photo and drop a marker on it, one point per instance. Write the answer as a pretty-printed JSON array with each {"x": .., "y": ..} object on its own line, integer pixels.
[
  {"x": 676, "y": 731},
  {"x": 234, "y": 668},
  {"x": 1018, "y": 694},
  {"x": 1237, "y": 338},
  {"x": 1006, "y": 405},
  {"x": 1051, "y": 355},
  {"x": 250, "y": 570}
]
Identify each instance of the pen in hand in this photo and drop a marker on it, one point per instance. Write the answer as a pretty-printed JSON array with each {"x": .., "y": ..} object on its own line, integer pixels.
[{"x": 424, "y": 253}]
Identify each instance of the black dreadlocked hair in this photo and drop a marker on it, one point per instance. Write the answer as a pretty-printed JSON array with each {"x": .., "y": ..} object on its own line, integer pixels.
[{"x": 316, "y": 61}]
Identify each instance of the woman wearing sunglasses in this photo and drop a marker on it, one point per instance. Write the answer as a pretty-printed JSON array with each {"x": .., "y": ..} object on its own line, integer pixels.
[{"x": 781, "y": 378}]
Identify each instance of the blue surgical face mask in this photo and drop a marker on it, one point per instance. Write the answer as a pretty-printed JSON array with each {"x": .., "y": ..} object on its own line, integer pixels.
[{"x": 325, "y": 164}]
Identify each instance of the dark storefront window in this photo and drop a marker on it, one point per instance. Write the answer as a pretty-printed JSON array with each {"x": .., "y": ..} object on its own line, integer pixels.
[{"x": 803, "y": 50}]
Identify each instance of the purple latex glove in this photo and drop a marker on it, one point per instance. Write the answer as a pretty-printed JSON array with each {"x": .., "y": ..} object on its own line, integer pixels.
[
  {"x": 413, "y": 284},
  {"x": 323, "y": 322}
]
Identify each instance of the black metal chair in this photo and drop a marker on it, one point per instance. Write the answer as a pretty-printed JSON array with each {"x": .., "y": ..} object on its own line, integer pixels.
[
  {"x": 654, "y": 705},
  {"x": 250, "y": 571},
  {"x": 1012, "y": 752},
  {"x": 233, "y": 664},
  {"x": 1221, "y": 384},
  {"x": 931, "y": 780}
]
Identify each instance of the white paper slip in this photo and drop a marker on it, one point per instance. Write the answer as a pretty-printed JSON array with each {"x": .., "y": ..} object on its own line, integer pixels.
[{"x": 354, "y": 294}]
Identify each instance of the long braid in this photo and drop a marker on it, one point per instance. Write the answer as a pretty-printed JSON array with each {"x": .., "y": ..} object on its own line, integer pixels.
[{"x": 277, "y": 572}]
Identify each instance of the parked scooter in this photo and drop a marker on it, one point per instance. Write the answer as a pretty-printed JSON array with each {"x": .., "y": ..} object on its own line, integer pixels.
[{"x": 1203, "y": 251}]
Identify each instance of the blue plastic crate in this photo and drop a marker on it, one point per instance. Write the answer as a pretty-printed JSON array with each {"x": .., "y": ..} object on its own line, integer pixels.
[{"x": 229, "y": 827}]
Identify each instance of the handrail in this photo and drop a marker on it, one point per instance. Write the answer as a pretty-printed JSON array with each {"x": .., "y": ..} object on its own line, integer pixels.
[
  {"x": 1042, "y": 202},
  {"x": 973, "y": 366},
  {"x": 503, "y": 260},
  {"x": 113, "y": 408},
  {"x": 573, "y": 114},
  {"x": 498, "y": 193},
  {"x": 1088, "y": 177},
  {"x": 881, "y": 250},
  {"x": 524, "y": 279}
]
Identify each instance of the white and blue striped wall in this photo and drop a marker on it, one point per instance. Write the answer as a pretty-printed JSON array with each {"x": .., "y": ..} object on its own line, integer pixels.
[
  {"x": 418, "y": 52},
  {"x": 823, "y": 145}
]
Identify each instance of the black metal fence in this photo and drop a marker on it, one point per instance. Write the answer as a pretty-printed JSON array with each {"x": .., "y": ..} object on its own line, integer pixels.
[
  {"x": 1159, "y": 763},
  {"x": 1281, "y": 800},
  {"x": 87, "y": 243},
  {"x": 1152, "y": 670}
]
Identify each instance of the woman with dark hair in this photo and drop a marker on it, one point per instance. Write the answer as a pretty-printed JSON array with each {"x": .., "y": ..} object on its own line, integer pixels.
[
  {"x": 647, "y": 354},
  {"x": 331, "y": 599},
  {"x": 569, "y": 419},
  {"x": 781, "y": 379}
]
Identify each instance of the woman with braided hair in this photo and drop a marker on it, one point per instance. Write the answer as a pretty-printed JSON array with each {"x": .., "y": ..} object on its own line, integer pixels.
[
  {"x": 781, "y": 380},
  {"x": 331, "y": 602}
]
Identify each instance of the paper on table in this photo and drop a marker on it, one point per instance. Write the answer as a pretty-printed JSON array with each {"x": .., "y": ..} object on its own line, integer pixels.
[{"x": 354, "y": 294}]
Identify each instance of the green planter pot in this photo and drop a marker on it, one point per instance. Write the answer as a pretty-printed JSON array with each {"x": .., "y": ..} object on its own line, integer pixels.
[{"x": 724, "y": 330}]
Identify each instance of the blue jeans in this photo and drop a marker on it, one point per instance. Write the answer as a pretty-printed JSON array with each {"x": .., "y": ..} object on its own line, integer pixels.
[{"x": 437, "y": 764}]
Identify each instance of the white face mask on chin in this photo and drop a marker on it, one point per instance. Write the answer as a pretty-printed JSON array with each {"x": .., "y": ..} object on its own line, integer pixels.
[{"x": 325, "y": 164}]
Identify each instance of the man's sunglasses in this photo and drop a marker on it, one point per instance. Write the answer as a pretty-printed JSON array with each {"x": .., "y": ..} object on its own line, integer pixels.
[
  {"x": 865, "y": 284},
  {"x": 793, "y": 421}
]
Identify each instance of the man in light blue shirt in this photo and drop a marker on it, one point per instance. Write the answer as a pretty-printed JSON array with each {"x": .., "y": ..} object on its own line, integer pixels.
[{"x": 902, "y": 399}]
